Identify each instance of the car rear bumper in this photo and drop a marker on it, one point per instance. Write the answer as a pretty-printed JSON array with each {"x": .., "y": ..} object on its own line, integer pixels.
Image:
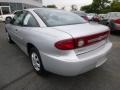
[{"x": 83, "y": 63}]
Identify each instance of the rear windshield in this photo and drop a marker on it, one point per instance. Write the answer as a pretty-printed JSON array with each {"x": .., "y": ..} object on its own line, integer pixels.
[{"x": 53, "y": 17}]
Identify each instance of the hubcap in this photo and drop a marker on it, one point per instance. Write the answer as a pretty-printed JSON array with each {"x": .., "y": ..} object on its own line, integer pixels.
[{"x": 35, "y": 61}]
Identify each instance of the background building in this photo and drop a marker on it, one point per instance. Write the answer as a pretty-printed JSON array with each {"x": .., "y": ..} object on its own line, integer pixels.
[{"x": 13, "y": 5}]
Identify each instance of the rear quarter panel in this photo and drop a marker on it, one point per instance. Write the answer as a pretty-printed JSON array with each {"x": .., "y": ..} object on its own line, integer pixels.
[{"x": 44, "y": 39}]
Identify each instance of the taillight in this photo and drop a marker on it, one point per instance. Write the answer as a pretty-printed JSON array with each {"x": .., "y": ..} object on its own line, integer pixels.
[
  {"x": 74, "y": 43},
  {"x": 67, "y": 44},
  {"x": 117, "y": 21}
]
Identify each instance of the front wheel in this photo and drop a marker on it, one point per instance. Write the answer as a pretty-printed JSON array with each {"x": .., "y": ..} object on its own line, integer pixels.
[{"x": 36, "y": 61}]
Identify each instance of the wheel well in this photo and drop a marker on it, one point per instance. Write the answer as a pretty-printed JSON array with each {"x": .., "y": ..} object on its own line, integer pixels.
[
  {"x": 8, "y": 17},
  {"x": 29, "y": 46}
]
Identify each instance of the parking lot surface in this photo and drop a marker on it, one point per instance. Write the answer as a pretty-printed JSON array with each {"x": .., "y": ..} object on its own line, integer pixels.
[{"x": 16, "y": 72}]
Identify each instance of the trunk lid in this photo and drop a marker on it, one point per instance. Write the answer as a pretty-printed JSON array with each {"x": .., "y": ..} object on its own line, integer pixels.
[{"x": 83, "y": 30}]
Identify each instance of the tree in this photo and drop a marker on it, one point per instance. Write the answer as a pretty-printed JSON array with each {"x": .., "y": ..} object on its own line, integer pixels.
[
  {"x": 51, "y": 6},
  {"x": 100, "y": 5},
  {"x": 86, "y": 8},
  {"x": 74, "y": 8},
  {"x": 115, "y": 6},
  {"x": 97, "y": 6},
  {"x": 106, "y": 10}
]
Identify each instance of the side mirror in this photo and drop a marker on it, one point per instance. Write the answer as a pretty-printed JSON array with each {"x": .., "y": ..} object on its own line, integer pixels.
[{"x": 8, "y": 20}]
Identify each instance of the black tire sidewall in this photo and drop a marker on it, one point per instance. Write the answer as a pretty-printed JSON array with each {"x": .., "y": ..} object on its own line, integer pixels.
[{"x": 41, "y": 71}]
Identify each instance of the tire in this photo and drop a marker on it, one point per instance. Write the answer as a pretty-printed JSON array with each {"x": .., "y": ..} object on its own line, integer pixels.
[
  {"x": 8, "y": 19},
  {"x": 36, "y": 61},
  {"x": 9, "y": 39}
]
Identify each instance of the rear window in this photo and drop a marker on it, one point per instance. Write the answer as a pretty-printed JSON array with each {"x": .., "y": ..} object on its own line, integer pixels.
[{"x": 53, "y": 17}]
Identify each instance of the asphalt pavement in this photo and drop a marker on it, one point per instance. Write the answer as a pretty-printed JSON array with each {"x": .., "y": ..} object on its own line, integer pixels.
[{"x": 16, "y": 72}]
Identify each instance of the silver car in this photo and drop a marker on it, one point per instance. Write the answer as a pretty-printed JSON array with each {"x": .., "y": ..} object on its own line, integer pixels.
[
  {"x": 82, "y": 14},
  {"x": 59, "y": 41},
  {"x": 112, "y": 20}
]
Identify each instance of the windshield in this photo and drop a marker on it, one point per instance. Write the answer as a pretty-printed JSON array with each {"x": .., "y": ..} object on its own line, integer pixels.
[{"x": 53, "y": 17}]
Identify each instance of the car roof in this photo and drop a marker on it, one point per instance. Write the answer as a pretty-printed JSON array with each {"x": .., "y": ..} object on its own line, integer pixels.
[{"x": 31, "y": 9}]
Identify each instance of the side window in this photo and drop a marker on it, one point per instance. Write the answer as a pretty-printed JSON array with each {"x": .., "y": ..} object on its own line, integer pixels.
[
  {"x": 30, "y": 21},
  {"x": 18, "y": 18}
]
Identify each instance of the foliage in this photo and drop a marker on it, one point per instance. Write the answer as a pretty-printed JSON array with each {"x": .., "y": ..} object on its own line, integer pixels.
[
  {"x": 86, "y": 8},
  {"x": 51, "y": 6},
  {"x": 74, "y": 8},
  {"x": 97, "y": 6},
  {"x": 115, "y": 6}
]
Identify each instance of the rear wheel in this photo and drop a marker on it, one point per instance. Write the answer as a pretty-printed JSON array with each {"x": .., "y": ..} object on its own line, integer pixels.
[{"x": 36, "y": 61}]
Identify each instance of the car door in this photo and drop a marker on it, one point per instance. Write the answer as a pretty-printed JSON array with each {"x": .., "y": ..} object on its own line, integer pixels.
[
  {"x": 11, "y": 27},
  {"x": 16, "y": 26},
  {"x": 29, "y": 23}
]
